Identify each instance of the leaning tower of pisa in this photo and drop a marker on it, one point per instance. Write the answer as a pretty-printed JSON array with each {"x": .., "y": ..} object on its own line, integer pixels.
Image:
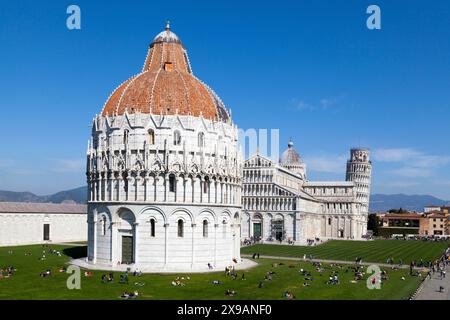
[{"x": 359, "y": 170}]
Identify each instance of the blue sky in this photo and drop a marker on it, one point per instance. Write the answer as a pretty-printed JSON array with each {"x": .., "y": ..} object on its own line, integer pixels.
[{"x": 310, "y": 68}]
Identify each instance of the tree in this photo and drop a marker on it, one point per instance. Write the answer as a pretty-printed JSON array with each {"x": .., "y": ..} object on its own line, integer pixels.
[
  {"x": 401, "y": 210},
  {"x": 373, "y": 223}
]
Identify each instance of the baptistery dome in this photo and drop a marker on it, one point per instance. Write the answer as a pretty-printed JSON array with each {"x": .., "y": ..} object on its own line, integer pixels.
[
  {"x": 166, "y": 85},
  {"x": 164, "y": 171}
]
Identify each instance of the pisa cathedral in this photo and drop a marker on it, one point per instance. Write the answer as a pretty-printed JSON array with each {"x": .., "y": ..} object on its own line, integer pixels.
[
  {"x": 280, "y": 204},
  {"x": 165, "y": 178}
]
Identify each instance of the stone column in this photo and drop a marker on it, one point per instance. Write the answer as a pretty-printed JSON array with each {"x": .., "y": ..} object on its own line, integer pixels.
[
  {"x": 128, "y": 193},
  {"x": 166, "y": 244},
  {"x": 119, "y": 187},
  {"x": 137, "y": 181},
  {"x": 136, "y": 243},
  {"x": 146, "y": 193},
  {"x": 94, "y": 240},
  {"x": 110, "y": 183},
  {"x": 157, "y": 177},
  {"x": 216, "y": 227},
  {"x": 193, "y": 245},
  {"x": 94, "y": 186},
  {"x": 185, "y": 182},
  {"x": 166, "y": 188},
  {"x": 114, "y": 243}
]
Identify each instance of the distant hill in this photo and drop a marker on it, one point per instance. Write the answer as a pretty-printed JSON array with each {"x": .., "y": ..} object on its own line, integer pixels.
[
  {"x": 384, "y": 202},
  {"x": 378, "y": 202},
  {"x": 78, "y": 195}
]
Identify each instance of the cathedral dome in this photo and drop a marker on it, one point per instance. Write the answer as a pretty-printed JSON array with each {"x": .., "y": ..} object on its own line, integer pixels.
[
  {"x": 166, "y": 86},
  {"x": 290, "y": 157},
  {"x": 291, "y": 160}
]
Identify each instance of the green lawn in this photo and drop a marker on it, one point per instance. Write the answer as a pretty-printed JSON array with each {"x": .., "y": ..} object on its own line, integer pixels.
[
  {"x": 27, "y": 284},
  {"x": 370, "y": 251}
]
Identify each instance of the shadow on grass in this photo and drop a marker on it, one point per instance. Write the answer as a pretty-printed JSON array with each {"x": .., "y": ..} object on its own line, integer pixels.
[{"x": 76, "y": 252}]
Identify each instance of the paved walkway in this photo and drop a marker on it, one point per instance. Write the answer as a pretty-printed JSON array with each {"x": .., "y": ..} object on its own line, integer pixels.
[
  {"x": 328, "y": 261},
  {"x": 430, "y": 288},
  {"x": 82, "y": 263},
  {"x": 71, "y": 244}
]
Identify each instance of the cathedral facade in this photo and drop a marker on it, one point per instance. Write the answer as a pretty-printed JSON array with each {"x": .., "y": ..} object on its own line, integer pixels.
[
  {"x": 164, "y": 171},
  {"x": 281, "y": 204}
]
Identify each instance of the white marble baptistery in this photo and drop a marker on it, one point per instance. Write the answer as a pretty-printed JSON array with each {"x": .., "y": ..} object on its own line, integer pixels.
[{"x": 164, "y": 171}]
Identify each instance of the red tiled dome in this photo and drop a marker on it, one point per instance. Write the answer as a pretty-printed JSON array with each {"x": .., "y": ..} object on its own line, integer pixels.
[{"x": 166, "y": 85}]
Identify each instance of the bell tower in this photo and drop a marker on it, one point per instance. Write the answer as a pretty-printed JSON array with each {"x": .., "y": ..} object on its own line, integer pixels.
[{"x": 359, "y": 170}]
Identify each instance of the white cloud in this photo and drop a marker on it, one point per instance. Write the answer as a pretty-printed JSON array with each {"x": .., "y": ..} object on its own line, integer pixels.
[
  {"x": 328, "y": 164},
  {"x": 6, "y": 163},
  {"x": 68, "y": 165},
  {"x": 411, "y": 172},
  {"x": 322, "y": 104},
  {"x": 404, "y": 184},
  {"x": 301, "y": 105},
  {"x": 394, "y": 155},
  {"x": 415, "y": 164},
  {"x": 326, "y": 103}
]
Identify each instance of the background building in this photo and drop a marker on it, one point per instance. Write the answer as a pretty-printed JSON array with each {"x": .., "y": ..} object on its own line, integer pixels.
[
  {"x": 407, "y": 223},
  {"x": 435, "y": 223},
  {"x": 33, "y": 223},
  {"x": 164, "y": 171},
  {"x": 281, "y": 204}
]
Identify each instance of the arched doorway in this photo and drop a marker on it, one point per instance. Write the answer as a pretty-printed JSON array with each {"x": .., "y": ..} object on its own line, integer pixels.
[
  {"x": 126, "y": 237},
  {"x": 277, "y": 227},
  {"x": 257, "y": 227}
]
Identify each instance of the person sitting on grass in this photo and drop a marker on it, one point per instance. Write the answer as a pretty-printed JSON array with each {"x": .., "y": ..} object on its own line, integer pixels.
[
  {"x": 177, "y": 283},
  {"x": 230, "y": 293},
  {"x": 129, "y": 295},
  {"x": 216, "y": 282},
  {"x": 62, "y": 269},
  {"x": 123, "y": 279},
  {"x": 111, "y": 277},
  {"x": 10, "y": 271},
  {"x": 137, "y": 273},
  {"x": 46, "y": 273},
  {"x": 288, "y": 295},
  {"x": 88, "y": 274},
  {"x": 306, "y": 284}
]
